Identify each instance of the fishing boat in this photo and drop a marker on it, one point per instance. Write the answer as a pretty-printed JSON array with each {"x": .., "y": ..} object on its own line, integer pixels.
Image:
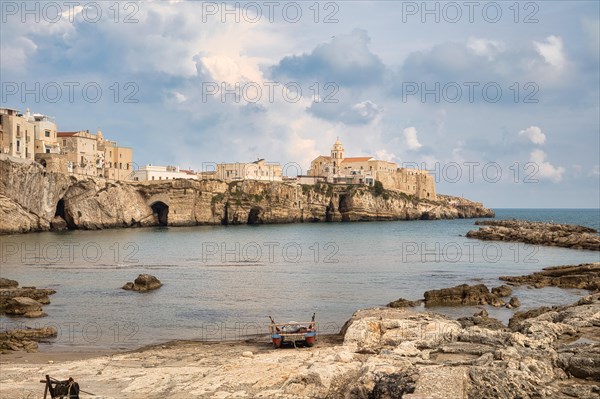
[{"x": 293, "y": 333}]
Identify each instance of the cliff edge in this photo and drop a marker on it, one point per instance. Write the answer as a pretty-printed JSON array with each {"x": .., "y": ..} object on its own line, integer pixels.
[{"x": 32, "y": 199}]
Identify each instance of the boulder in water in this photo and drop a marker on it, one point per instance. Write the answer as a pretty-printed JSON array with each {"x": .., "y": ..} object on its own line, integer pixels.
[{"x": 143, "y": 283}]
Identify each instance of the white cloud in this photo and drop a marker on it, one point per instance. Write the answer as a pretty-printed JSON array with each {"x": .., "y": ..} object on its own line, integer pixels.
[
  {"x": 232, "y": 70},
  {"x": 534, "y": 134},
  {"x": 385, "y": 155},
  {"x": 179, "y": 97},
  {"x": 410, "y": 136},
  {"x": 552, "y": 51},
  {"x": 367, "y": 109},
  {"x": 485, "y": 47},
  {"x": 15, "y": 54},
  {"x": 545, "y": 169}
]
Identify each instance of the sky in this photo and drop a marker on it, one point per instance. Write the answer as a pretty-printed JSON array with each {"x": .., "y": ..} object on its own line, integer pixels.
[{"x": 500, "y": 101}]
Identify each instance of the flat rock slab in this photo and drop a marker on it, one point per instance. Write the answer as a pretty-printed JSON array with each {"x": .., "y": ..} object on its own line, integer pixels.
[
  {"x": 538, "y": 233},
  {"x": 584, "y": 276}
]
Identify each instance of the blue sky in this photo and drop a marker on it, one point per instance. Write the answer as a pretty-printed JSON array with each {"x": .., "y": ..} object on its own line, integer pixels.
[{"x": 501, "y": 102}]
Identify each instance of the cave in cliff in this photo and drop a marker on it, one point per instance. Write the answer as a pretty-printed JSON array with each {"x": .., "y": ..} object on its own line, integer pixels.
[
  {"x": 254, "y": 216},
  {"x": 161, "y": 213},
  {"x": 60, "y": 209}
]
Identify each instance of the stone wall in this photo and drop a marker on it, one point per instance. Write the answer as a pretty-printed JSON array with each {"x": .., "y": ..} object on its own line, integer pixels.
[
  {"x": 410, "y": 181},
  {"x": 53, "y": 162}
]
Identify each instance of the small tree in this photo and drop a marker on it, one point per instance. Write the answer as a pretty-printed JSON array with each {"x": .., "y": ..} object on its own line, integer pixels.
[{"x": 378, "y": 188}]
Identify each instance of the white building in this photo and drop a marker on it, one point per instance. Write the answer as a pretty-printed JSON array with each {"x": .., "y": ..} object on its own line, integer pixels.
[
  {"x": 45, "y": 132},
  {"x": 153, "y": 172},
  {"x": 257, "y": 170}
]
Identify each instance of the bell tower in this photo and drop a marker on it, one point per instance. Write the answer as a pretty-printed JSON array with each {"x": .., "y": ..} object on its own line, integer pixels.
[{"x": 337, "y": 155}]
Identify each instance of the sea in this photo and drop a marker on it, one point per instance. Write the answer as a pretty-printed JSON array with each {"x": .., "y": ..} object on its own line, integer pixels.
[{"x": 223, "y": 282}]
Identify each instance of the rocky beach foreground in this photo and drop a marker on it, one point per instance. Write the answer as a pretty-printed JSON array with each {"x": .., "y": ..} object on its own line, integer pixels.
[{"x": 380, "y": 353}]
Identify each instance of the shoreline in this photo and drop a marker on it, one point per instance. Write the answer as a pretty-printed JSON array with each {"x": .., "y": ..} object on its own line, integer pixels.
[{"x": 422, "y": 352}]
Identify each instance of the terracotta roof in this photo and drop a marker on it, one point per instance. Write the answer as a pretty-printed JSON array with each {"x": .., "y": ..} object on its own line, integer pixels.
[
  {"x": 66, "y": 134},
  {"x": 357, "y": 159}
]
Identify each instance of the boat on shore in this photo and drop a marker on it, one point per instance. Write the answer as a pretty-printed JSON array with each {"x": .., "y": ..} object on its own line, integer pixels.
[{"x": 293, "y": 333}]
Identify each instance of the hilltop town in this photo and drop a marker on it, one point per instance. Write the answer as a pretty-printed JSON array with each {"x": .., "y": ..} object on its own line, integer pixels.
[{"x": 35, "y": 138}]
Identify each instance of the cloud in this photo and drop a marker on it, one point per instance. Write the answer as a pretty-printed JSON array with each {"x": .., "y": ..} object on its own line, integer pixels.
[
  {"x": 367, "y": 109},
  {"x": 534, "y": 134},
  {"x": 385, "y": 155},
  {"x": 179, "y": 97},
  {"x": 485, "y": 47},
  {"x": 411, "y": 139},
  {"x": 345, "y": 60},
  {"x": 232, "y": 70},
  {"x": 545, "y": 169},
  {"x": 15, "y": 54},
  {"x": 361, "y": 113},
  {"x": 552, "y": 51}
]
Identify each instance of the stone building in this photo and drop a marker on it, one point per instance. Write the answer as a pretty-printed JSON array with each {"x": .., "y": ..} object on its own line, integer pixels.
[
  {"x": 337, "y": 168},
  {"x": 118, "y": 161},
  {"x": 257, "y": 170},
  {"x": 45, "y": 132},
  {"x": 16, "y": 134},
  {"x": 90, "y": 154}
]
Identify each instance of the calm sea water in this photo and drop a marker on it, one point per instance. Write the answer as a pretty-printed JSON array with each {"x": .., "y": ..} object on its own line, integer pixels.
[{"x": 223, "y": 282}]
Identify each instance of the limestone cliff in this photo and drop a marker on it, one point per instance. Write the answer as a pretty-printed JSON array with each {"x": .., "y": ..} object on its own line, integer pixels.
[{"x": 34, "y": 200}]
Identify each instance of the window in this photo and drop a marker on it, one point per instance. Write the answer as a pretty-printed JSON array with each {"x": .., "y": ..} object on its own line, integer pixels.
[
  {"x": 64, "y": 143},
  {"x": 47, "y": 133},
  {"x": 18, "y": 145},
  {"x": 120, "y": 165},
  {"x": 47, "y": 150},
  {"x": 152, "y": 177}
]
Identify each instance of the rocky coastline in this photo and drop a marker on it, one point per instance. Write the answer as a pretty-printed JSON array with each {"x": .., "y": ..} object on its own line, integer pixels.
[
  {"x": 34, "y": 200},
  {"x": 538, "y": 233},
  {"x": 380, "y": 353}
]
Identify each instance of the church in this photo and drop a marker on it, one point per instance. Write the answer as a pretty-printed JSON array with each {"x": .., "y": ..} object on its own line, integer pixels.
[{"x": 337, "y": 168}]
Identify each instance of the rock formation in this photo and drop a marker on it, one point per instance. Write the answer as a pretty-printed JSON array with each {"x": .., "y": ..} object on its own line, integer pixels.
[
  {"x": 502, "y": 291},
  {"x": 482, "y": 319},
  {"x": 34, "y": 200},
  {"x": 404, "y": 303},
  {"x": 539, "y": 356},
  {"x": 23, "y": 306},
  {"x": 462, "y": 295},
  {"x": 143, "y": 283},
  {"x": 24, "y": 301},
  {"x": 8, "y": 283},
  {"x": 25, "y": 339},
  {"x": 538, "y": 233},
  {"x": 585, "y": 276}
]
